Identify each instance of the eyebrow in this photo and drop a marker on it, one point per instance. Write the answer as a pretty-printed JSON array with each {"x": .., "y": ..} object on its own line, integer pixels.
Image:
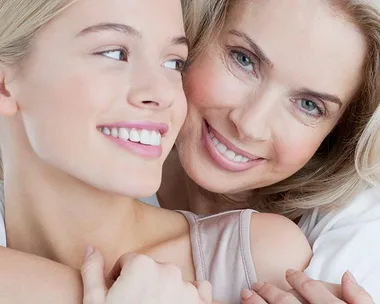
[
  {"x": 127, "y": 30},
  {"x": 118, "y": 27},
  {"x": 257, "y": 50},
  {"x": 181, "y": 40},
  {"x": 322, "y": 96}
]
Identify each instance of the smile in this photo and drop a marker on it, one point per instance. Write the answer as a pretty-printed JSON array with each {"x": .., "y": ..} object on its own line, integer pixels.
[
  {"x": 227, "y": 155},
  {"x": 143, "y": 139},
  {"x": 142, "y": 136}
]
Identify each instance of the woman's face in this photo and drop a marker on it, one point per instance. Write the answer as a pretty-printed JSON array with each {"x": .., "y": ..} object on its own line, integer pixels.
[
  {"x": 100, "y": 96},
  {"x": 263, "y": 97}
]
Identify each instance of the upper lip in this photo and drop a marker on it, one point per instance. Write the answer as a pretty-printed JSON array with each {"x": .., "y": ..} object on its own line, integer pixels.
[
  {"x": 231, "y": 146},
  {"x": 146, "y": 125}
]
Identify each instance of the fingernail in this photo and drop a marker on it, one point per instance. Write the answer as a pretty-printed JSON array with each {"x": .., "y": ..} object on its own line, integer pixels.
[
  {"x": 289, "y": 272},
  {"x": 89, "y": 251},
  {"x": 246, "y": 294},
  {"x": 350, "y": 277},
  {"x": 257, "y": 286}
]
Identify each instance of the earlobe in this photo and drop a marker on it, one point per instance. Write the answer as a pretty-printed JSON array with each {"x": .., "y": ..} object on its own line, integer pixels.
[{"x": 8, "y": 105}]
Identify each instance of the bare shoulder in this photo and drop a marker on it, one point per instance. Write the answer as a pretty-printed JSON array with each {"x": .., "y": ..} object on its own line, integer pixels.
[{"x": 277, "y": 244}]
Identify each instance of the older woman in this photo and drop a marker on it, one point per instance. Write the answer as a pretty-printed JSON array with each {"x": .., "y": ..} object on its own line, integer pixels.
[{"x": 275, "y": 116}]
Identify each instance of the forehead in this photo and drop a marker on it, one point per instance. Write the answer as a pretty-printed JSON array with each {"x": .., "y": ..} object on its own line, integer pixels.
[
  {"x": 156, "y": 17},
  {"x": 307, "y": 42}
]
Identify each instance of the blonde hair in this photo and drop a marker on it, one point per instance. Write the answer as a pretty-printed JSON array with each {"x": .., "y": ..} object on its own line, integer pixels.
[
  {"x": 330, "y": 178},
  {"x": 20, "y": 21},
  {"x": 368, "y": 151}
]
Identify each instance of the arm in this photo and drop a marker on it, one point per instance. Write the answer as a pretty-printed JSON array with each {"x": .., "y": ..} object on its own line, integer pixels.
[
  {"x": 277, "y": 244},
  {"x": 27, "y": 278}
]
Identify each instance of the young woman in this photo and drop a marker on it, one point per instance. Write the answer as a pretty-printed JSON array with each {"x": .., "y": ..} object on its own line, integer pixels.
[{"x": 91, "y": 102}]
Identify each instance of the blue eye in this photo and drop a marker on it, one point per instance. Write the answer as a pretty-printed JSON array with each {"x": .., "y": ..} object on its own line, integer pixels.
[
  {"x": 243, "y": 60},
  {"x": 311, "y": 107},
  {"x": 120, "y": 54}
]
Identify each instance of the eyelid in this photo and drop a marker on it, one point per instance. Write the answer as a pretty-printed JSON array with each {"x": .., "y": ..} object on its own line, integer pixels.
[
  {"x": 321, "y": 109},
  {"x": 255, "y": 60},
  {"x": 112, "y": 49}
]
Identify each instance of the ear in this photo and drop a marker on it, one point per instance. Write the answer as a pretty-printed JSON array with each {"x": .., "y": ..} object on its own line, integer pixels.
[{"x": 8, "y": 105}]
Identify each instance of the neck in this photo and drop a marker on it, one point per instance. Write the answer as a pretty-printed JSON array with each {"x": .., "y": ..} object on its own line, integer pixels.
[
  {"x": 46, "y": 209},
  {"x": 179, "y": 191}
]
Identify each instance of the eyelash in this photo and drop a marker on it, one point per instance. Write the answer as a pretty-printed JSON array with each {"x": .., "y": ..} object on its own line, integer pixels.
[
  {"x": 122, "y": 50},
  {"x": 321, "y": 110},
  {"x": 182, "y": 62},
  {"x": 253, "y": 59}
]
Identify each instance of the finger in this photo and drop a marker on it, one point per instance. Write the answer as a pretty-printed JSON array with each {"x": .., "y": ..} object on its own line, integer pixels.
[
  {"x": 312, "y": 291},
  {"x": 353, "y": 293},
  {"x": 250, "y": 297},
  {"x": 205, "y": 290},
  {"x": 335, "y": 289},
  {"x": 119, "y": 265},
  {"x": 273, "y": 294},
  {"x": 92, "y": 271},
  {"x": 298, "y": 296}
]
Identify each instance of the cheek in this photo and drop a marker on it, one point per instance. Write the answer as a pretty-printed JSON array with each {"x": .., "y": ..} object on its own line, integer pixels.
[
  {"x": 72, "y": 93},
  {"x": 207, "y": 83},
  {"x": 295, "y": 149},
  {"x": 65, "y": 106}
]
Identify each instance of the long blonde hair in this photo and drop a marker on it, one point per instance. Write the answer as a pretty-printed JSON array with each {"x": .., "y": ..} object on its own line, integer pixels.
[
  {"x": 368, "y": 151},
  {"x": 20, "y": 21},
  {"x": 330, "y": 178}
]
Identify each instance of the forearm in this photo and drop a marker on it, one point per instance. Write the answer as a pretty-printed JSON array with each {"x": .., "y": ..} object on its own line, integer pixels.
[{"x": 26, "y": 278}]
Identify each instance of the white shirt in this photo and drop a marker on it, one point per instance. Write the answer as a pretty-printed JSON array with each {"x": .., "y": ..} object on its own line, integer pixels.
[
  {"x": 343, "y": 240},
  {"x": 347, "y": 239}
]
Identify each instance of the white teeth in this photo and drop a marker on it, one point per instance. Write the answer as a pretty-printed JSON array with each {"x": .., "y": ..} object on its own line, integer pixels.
[
  {"x": 230, "y": 155},
  {"x": 134, "y": 136},
  {"x": 106, "y": 131},
  {"x": 221, "y": 148},
  {"x": 145, "y": 137},
  {"x": 238, "y": 158},
  {"x": 155, "y": 138},
  {"x": 123, "y": 134},
  {"x": 114, "y": 132}
]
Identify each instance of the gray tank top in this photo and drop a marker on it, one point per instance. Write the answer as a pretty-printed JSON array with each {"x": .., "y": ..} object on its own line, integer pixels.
[{"x": 222, "y": 253}]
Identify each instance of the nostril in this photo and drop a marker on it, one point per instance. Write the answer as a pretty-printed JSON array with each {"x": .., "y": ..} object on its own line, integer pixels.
[{"x": 147, "y": 102}]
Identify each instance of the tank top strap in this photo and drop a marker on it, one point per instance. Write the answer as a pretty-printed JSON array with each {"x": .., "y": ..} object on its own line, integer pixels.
[{"x": 221, "y": 251}]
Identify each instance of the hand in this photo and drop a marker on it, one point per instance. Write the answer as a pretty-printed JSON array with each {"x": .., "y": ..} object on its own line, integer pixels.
[
  {"x": 139, "y": 279},
  {"x": 307, "y": 291}
]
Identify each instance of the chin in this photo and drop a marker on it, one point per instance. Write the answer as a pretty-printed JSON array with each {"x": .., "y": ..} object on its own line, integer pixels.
[
  {"x": 208, "y": 181},
  {"x": 129, "y": 187}
]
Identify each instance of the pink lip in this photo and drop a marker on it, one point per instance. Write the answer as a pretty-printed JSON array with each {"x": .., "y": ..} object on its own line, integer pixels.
[
  {"x": 223, "y": 162},
  {"x": 138, "y": 148}
]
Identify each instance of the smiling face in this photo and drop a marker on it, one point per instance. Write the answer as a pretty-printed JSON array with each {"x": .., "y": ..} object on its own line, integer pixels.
[
  {"x": 100, "y": 96},
  {"x": 267, "y": 92}
]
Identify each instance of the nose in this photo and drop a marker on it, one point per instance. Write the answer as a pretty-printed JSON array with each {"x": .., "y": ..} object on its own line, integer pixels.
[
  {"x": 153, "y": 89},
  {"x": 253, "y": 119}
]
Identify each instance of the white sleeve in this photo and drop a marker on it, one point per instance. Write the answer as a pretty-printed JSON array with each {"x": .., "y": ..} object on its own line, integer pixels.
[{"x": 347, "y": 240}]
